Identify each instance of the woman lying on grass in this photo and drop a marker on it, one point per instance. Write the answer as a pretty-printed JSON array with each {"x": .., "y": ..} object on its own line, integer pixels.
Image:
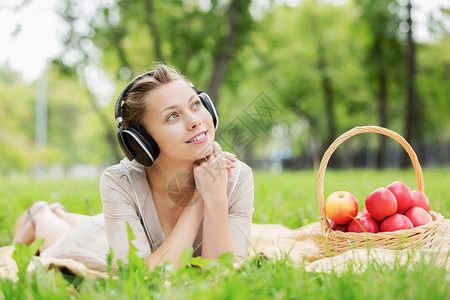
[{"x": 176, "y": 188}]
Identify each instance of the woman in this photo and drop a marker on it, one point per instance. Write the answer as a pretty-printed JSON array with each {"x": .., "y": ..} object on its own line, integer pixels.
[{"x": 176, "y": 188}]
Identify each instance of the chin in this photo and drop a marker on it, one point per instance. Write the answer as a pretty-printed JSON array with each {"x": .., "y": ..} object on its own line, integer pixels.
[
  {"x": 204, "y": 152},
  {"x": 203, "y": 155}
]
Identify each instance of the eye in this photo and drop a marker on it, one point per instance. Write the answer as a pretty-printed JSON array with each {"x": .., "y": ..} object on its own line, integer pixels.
[
  {"x": 196, "y": 104},
  {"x": 172, "y": 116}
]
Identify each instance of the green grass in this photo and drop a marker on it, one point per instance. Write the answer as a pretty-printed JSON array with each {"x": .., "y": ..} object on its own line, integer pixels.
[{"x": 289, "y": 199}]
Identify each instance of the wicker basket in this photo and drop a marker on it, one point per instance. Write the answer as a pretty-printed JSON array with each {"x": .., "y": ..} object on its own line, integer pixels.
[{"x": 331, "y": 242}]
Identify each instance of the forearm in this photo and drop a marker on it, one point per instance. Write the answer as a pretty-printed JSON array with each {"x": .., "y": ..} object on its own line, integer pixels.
[
  {"x": 181, "y": 237},
  {"x": 216, "y": 230}
]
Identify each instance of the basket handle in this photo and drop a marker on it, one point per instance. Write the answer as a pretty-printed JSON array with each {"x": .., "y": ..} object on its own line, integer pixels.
[{"x": 346, "y": 135}]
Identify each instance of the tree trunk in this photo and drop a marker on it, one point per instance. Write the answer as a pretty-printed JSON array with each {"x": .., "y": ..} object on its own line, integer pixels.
[
  {"x": 226, "y": 49},
  {"x": 109, "y": 134},
  {"x": 118, "y": 34},
  {"x": 220, "y": 65},
  {"x": 314, "y": 148},
  {"x": 328, "y": 94},
  {"x": 153, "y": 30},
  {"x": 412, "y": 120},
  {"x": 383, "y": 118}
]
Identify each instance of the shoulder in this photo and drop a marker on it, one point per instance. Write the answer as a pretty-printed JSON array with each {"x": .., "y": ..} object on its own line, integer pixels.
[
  {"x": 240, "y": 172},
  {"x": 121, "y": 169},
  {"x": 119, "y": 184},
  {"x": 240, "y": 191},
  {"x": 241, "y": 177},
  {"x": 118, "y": 174},
  {"x": 112, "y": 173},
  {"x": 244, "y": 167}
]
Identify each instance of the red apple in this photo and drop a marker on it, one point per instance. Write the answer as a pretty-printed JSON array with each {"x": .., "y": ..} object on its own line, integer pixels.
[
  {"x": 363, "y": 224},
  {"x": 402, "y": 194},
  {"x": 396, "y": 222},
  {"x": 365, "y": 213},
  {"x": 340, "y": 227},
  {"x": 420, "y": 200},
  {"x": 418, "y": 216},
  {"x": 341, "y": 207},
  {"x": 381, "y": 203}
]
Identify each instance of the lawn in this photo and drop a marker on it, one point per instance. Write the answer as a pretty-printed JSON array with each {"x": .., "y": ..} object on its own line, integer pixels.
[{"x": 288, "y": 199}]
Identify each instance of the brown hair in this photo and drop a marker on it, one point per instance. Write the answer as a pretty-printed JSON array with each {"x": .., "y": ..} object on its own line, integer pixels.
[{"x": 134, "y": 106}]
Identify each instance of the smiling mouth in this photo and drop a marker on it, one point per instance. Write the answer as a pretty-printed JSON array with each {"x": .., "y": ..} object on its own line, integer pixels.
[{"x": 197, "y": 138}]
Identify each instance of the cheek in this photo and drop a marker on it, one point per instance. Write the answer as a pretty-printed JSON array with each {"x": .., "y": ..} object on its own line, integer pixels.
[
  {"x": 159, "y": 134},
  {"x": 212, "y": 133},
  {"x": 166, "y": 136},
  {"x": 211, "y": 130},
  {"x": 207, "y": 119}
]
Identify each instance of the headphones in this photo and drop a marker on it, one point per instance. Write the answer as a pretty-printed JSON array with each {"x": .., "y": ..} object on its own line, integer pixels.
[{"x": 135, "y": 141}]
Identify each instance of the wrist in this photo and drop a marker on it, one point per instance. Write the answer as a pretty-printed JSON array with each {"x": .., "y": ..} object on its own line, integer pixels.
[
  {"x": 195, "y": 209},
  {"x": 216, "y": 204}
]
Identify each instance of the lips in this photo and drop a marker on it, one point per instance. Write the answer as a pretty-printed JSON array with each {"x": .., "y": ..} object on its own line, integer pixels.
[{"x": 197, "y": 137}]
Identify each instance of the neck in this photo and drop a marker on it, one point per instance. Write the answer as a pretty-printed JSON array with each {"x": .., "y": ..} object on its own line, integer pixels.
[{"x": 171, "y": 179}]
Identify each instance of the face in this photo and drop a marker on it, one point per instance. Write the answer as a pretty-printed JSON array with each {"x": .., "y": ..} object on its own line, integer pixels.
[{"x": 180, "y": 124}]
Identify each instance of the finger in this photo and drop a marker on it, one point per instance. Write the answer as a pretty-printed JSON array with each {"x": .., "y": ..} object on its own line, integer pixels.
[
  {"x": 209, "y": 149},
  {"x": 231, "y": 157},
  {"x": 217, "y": 149},
  {"x": 204, "y": 159},
  {"x": 230, "y": 167},
  {"x": 230, "y": 161},
  {"x": 232, "y": 154},
  {"x": 199, "y": 162}
]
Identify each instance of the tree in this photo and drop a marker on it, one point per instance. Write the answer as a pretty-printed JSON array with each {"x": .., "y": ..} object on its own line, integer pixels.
[
  {"x": 175, "y": 29},
  {"x": 313, "y": 68},
  {"x": 382, "y": 57},
  {"x": 239, "y": 24},
  {"x": 414, "y": 117}
]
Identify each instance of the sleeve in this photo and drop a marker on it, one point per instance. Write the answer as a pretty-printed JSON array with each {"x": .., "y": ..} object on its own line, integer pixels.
[
  {"x": 241, "y": 209},
  {"x": 118, "y": 209}
]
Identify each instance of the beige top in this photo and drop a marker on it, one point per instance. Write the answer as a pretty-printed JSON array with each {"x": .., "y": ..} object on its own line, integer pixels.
[{"x": 119, "y": 207}]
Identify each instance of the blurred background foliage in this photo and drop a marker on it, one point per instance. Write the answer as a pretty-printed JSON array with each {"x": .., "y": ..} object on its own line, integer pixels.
[{"x": 327, "y": 66}]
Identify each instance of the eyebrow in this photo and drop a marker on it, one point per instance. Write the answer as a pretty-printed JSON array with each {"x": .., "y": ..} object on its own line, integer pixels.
[{"x": 175, "y": 106}]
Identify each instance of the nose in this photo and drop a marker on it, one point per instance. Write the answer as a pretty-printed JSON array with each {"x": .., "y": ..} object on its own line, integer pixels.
[{"x": 192, "y": 121}]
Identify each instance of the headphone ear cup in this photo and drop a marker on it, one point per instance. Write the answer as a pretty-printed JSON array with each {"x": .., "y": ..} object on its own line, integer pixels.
[
  {"x": 124, "y": 145},
  {"x": 141, "y": 144},
  {"x": 209, "y": 105}
]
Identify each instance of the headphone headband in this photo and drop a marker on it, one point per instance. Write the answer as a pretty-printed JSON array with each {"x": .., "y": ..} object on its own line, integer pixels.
[
  {"x": 135, "y": 141},
  {"x": 122, "y": 95}
]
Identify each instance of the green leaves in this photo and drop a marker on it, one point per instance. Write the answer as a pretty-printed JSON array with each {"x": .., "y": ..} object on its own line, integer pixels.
[
  {"x": 186, "y": 257},
  {"x": 42, "y": 284},
  {"x": 23, "y": 255}
]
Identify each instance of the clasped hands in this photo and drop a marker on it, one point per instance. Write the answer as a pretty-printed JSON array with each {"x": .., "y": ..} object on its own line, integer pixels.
[{"x": 211, "y": 173}]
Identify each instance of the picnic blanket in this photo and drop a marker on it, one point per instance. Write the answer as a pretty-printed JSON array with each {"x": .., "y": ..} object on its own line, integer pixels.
[
  {"x": 275, "y": 241},
  {"x": 272, "y": 241}
]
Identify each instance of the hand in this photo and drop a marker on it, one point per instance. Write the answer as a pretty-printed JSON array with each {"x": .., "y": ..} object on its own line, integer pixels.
[{"x": 211, "y": 173}]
